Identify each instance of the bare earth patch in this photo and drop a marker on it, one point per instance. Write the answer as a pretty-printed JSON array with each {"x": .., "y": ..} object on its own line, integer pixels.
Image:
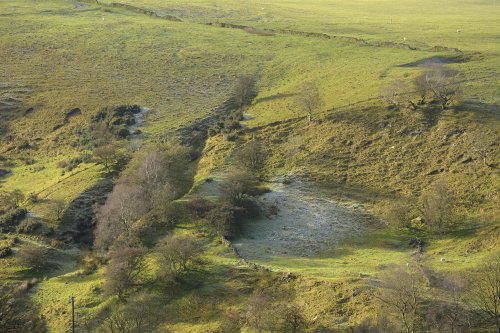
[{"x": 310, "y": 223}]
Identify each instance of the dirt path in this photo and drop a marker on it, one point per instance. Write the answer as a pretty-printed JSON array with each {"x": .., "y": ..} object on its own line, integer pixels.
[{"x": 309, "y": 223}]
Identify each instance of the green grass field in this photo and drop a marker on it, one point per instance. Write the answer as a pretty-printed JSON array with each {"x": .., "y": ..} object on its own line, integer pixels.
[{"x": 56, "y": 56}]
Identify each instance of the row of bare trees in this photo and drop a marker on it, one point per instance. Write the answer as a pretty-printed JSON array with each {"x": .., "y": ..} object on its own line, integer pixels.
[
  {"x": 142, "y": 201},
  {"x": 421, "y": 300},
  {"x": 437, "y": 84},
  {"x": 262, "y": 315},
  {"x": 153, "y": 179},
  {"x": 435, "y": 210}
]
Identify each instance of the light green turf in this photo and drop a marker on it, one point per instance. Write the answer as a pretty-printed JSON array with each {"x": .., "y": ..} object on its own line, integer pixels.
[{"x": 56, "y": 57}]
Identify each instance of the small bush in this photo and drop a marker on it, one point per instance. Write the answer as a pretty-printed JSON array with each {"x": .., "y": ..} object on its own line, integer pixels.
[
  {"x": 28, "y": 226},
  {"x": 90, "y": 264},
  {"x": 401, "y": 215},
  {"x": 232, "y": 137},
  {"x": 28, "y": 160},
  {"x": 33, "y": 198},
  {"x": 11, "y": 219},
  {"x": 5, "y": 251},
  {"x": 231, "y": 124},
  {"x": 70, "y": 164},
  {"x": 221, "y": 219},
  {"x": 37, "y": 259},
  {"x": 200, "y": 206},
  {"x": 6, "y": 245}
]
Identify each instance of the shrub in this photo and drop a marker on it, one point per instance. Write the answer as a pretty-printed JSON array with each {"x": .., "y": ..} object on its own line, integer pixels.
[
  {"x": 29, "y": 226},
  {"x": 70, "y": 164},
  {"x": 238, "y": 185},
  {"x": 15, "y": 314},
  {"x": 6, "y": 247},
  {"x": 11, "y": 219},
  {"x": 5, "y": 251},
  {"x": 231, "y": 322},
  {"x": 251, "y": 156},
  {"x": 124, "y": 270},
  {"x": 401, "y": 214},
  {"x": 199, "y": 206},
  {"x": 438, "y": 203},
  {"x": 143, "y": 313},
  {"x": 89, "y": 264},
  {"x": 176, "y": 254},
  {"x": 33, "y": 198},
  {"x": 37, "y": 259},
  {"x": 123, "y": 133},
  {"x": 231, "y": 124},
  {"x": 221, "y": 219}
]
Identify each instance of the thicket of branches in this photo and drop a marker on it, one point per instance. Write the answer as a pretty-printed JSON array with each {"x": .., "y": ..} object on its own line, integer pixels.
[
  {"x": 436, "y": 85},
  {"x": 416, "y": 299}
]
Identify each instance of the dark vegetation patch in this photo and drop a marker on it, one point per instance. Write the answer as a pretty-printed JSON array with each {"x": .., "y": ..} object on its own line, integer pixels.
[
  {"x": 81, "y": 212},
  {"x": 17, "y": 316},
  {"x": 72, "y": 113},
  {"x": 6, "y": 245},
  {"x": 11, "y": 219},
  {"x": 29, "y": 226},
  {"x": 353, "y": 40},
  {"x": 117, "y": 119},
  {"x": 72, "y": 163},
  {"x": 140, "y": 10},
  {"x": 440, "y": 60}
]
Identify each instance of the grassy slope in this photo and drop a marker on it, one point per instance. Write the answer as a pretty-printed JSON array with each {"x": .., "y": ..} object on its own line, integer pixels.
[{"x": 118, "y": 57}]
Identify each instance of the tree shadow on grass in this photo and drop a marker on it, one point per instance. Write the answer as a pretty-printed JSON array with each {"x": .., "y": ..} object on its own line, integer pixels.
[
  {"x": 78, "y": 220},
  {"x": 482, "y": 113}
]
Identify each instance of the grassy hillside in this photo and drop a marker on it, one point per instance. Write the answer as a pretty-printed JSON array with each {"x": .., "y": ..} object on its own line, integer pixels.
[{"x": 181, "y": 60}]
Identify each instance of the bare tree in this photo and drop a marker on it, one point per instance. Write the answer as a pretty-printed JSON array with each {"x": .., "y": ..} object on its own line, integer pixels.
[
  {"x": 221, "y": 218},
  {"x": 35, "y": 258},
  {"x": 484, "y": 291},
  {"x": 231, "y": 322},
  {"x": 176, "y": 254},
  {"x": 402, "y": 291},
  {"x": 10, "y": 200},
  {"x": 293, "y": 320},
  {"x": 58, "y": 207},
  {"x": 238, "y": 185},
  {"x": 244, "y": 89},
  {"x": 251, "y": 156},
  {"x": 440, "y": 82},
  {"x": 108, "y": 156},
  {"x": 422, "y": 88},
  {"x": 482, "y": 145},
  {"x": 309, "y": 99},
  {"x": 393, "y": 93},
  {"x": 159, "y": 165},
  {"x": 124, "y": 269},
  {"x": 15, "y": 315},
  {"x": 258, "y": 312},
  {"x": 447, "y": 311},
  {"x": 141, "y": 313},
  {"x": 123, "y": 207},
  {"x": 399, "y": 214},
  {"x": 438, "y": 203}
]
